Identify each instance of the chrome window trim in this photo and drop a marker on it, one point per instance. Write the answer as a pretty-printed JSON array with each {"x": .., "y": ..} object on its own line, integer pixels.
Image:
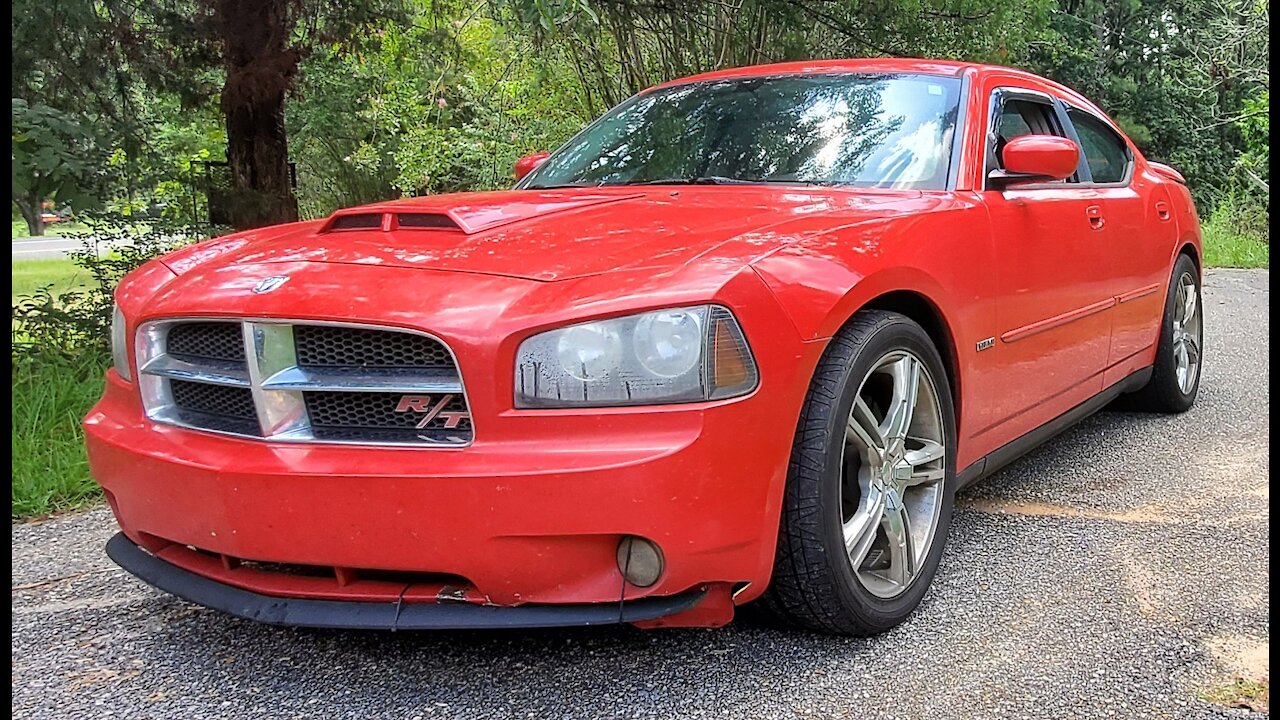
[{"x": 277, "y": 382}]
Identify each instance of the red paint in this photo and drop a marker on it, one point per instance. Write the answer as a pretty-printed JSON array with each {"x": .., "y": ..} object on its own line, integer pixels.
[
  {"x": 1041, "y": 156},
  {"x": 526, "y": 164},
  {"x": 533, "y": 510}
]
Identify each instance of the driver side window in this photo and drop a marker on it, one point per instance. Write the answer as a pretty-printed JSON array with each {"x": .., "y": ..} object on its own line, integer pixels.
[{"x": 1020, "y": 116}]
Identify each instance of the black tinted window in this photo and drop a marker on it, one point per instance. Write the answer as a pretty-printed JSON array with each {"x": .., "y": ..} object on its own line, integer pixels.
[
  {"x": 1104, "y": 151},
  {"x": 1014, "y": 120}
]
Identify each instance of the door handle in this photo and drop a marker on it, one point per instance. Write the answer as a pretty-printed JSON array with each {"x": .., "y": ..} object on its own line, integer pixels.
[
  {"x": 1096, "y": 221},
  {"x": 1162, "y": 210}
]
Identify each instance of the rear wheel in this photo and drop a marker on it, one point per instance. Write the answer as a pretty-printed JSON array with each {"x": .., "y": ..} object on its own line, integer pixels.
[
  {"x": 1175, "y": 378},
  {"x": 871, "y": 482}
]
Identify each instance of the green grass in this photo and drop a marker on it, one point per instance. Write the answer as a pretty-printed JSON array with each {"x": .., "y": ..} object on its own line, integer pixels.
[
  {"x": 60, "y": 229},
  {"x": 1226, "y": 247},
  {"x": 1243, "y": 693},
  {"x": 50, "y": 396},
  {"x": 61, "y": 273}
]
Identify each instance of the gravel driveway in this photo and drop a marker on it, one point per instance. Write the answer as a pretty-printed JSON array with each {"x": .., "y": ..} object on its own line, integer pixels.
[{"x": 1119, "y": 571}]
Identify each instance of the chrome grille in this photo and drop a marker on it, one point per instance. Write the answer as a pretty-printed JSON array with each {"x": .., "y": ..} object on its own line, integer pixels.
[{"x": 303, "y": 382}]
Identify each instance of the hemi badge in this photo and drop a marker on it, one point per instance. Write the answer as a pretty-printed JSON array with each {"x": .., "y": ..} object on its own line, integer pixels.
[{"x": 984, "y": 344}]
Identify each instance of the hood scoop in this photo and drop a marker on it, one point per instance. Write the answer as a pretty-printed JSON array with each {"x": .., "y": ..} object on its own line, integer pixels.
[
  {"x": 473, "y": 214},
  {"x": 389, "y": 221}
]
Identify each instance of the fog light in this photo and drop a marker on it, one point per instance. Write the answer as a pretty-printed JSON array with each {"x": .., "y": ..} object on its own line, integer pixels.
[{"x": 639, "y": 560}]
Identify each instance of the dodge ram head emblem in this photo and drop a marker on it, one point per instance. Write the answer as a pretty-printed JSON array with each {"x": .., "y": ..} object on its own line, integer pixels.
[
  {"x": 266, "y": 285},
  {"x": 432, "y": 410}
]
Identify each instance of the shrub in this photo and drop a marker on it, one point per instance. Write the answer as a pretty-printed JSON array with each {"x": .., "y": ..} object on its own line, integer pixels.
[
  {"x": 60, "y": 349},
  {"x": 75, "y": 323}
]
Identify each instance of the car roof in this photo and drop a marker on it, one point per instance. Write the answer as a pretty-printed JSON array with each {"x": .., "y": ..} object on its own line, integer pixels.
[
  {"x": 817, "y": 67},
  {"x": 874, "y": 66}
]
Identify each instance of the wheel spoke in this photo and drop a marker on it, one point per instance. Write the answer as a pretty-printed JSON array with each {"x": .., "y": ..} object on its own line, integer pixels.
[
  {"x": 1189, "y": 305},
  {"x": 897, "y": 528},
  {"x": 906, "y": 389},
  {"x": 1181, "y": 357},
  {"x": 1191, "y": 347},
  {"x": 864, "y": 431},
  {"x": 928, "y": 453},
  {"x": 860, "y": 530}
]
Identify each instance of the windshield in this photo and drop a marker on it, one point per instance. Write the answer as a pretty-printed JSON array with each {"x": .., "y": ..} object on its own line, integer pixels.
[{"x": 862, "y": 130}]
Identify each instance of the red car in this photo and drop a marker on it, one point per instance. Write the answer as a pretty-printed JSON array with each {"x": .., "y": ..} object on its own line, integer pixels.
[{"x": 742, "y": 338}]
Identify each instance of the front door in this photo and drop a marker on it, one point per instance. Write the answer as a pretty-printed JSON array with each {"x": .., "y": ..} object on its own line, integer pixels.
[
  {"x": 1053, "y": 297},
  {"x": 1139, "y": 232}
]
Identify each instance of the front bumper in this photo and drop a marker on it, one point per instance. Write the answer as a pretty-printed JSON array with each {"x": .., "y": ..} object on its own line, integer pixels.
[
  {"x": 524, "y": 522},
  {"x": 396, "y": 615}
]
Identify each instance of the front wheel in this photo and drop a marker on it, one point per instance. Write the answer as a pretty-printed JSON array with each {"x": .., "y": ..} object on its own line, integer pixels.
[{"x": 871, "y": 484}]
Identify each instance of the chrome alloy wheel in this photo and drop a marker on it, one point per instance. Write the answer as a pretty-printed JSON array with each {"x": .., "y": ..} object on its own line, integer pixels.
[
  {"x": 1187, "y": 327},
  {"x": 894, "y": 474}
]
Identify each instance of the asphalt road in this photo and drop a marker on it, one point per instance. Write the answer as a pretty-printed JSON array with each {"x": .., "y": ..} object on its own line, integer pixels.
[
  {"x": 1119, "y": 571},
  {"x": 50, "y": 246},
  {"x": 39, "y": 248}
]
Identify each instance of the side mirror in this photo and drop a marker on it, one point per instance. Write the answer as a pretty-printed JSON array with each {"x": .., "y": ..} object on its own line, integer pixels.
[
  {"x": 1036, "y": 158},
  {"x": 526, "y": 164}
]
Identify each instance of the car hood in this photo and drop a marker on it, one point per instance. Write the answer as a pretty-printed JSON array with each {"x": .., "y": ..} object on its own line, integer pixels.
[{"x": 554, "y": 234}]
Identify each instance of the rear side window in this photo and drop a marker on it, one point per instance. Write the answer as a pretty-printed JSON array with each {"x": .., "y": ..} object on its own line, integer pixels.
[{"x": 1104, "y": 151}]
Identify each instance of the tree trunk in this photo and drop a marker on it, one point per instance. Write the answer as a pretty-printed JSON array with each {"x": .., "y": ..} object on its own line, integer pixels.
[
  {"x": 260, "y": 66},
  {"x": 31, "y": 213}
]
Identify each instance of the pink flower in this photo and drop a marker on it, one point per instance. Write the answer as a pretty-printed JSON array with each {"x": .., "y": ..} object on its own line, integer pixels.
[{"x": 442, "y": 102}]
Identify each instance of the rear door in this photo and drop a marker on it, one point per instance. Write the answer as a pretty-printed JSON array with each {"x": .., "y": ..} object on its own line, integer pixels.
[
  {"x": 1138, "y": 232},
  {"x": 1051, "y": 276}
]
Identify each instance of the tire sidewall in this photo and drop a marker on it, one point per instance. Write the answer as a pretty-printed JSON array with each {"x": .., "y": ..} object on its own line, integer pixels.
[{"x": 901, "y": 334}]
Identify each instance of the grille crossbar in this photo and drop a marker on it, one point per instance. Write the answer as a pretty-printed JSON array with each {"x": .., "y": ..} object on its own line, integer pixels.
[{"x": 373, "y": 385}]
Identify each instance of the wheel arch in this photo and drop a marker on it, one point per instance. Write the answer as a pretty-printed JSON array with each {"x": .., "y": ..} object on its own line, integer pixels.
[
  {"x": 1189, "y": 249},
  {"x": 925, "y": 312}
]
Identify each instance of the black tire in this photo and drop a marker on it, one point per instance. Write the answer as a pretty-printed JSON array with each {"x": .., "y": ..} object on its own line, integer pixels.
[
  {"x": 1162, "y": 393},
  {"x": 814, "y": 585}
]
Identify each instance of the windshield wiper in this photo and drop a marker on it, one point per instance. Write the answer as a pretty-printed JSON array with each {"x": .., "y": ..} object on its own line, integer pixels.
[{"x": 704, "y": 180}]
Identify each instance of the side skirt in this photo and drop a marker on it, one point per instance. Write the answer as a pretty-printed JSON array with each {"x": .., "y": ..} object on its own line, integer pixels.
[{"x": 1002, "y": 456}]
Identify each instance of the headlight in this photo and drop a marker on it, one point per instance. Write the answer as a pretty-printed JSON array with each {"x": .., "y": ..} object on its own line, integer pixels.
[
  {"x": 120, "y": 344},
  {"x": 688, "y": 354}
]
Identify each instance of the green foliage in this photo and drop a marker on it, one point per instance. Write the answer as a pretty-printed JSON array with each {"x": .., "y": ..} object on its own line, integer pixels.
[
  {"x": 404, "y": 97},
  {"x": 76, "y": 322},
  {"x": 53, "y": 158},
  {"x": 60, "y": 346},
  {"x": 1255, "y": 127},
  {"x": 50, "y": 470},
  {"x": 431, "y": 107}
]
